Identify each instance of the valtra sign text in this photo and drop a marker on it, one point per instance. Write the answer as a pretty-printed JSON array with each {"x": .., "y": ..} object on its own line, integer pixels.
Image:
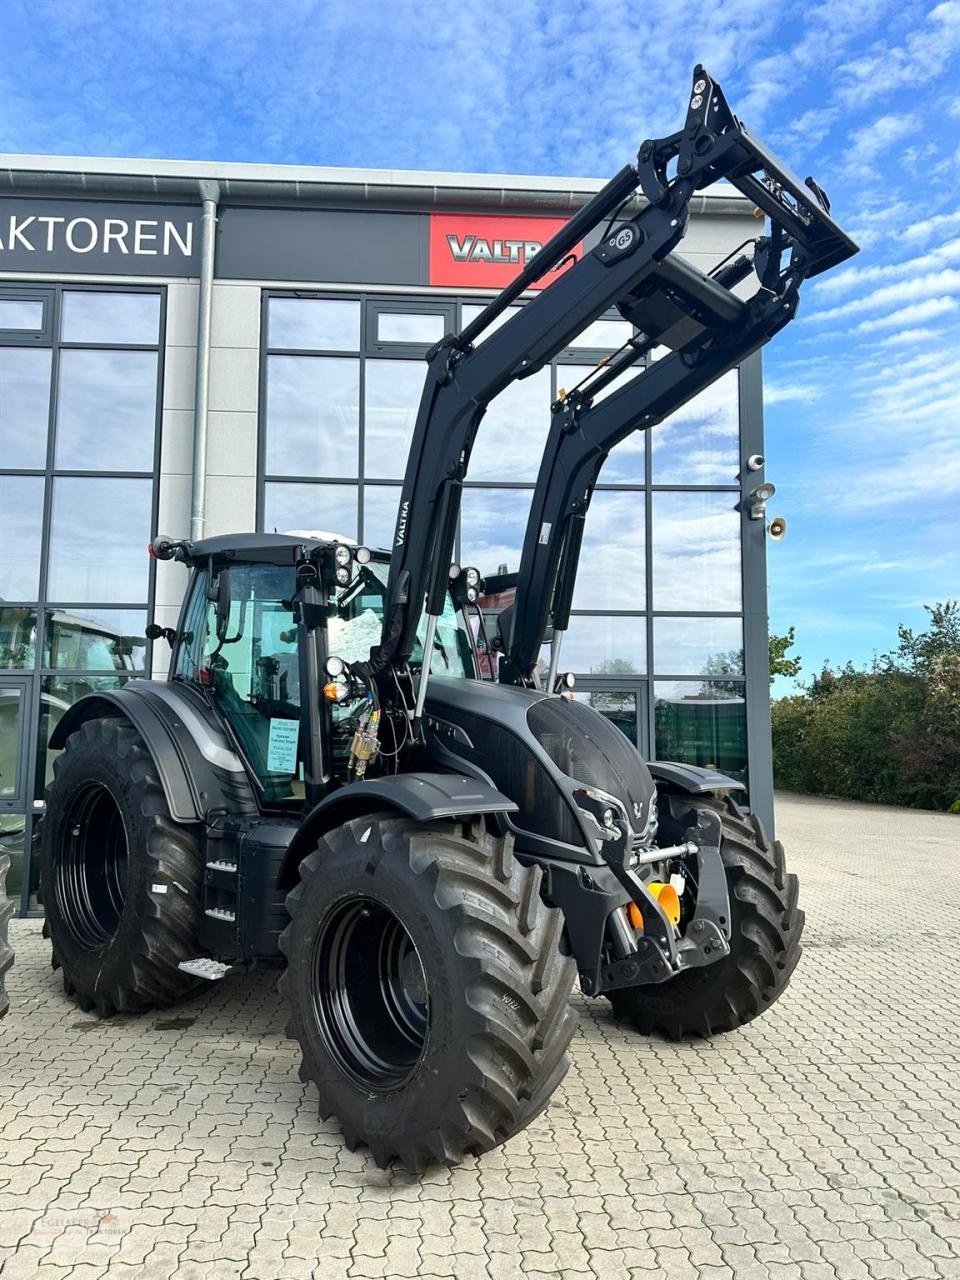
[{"x": 484, "y": 250}]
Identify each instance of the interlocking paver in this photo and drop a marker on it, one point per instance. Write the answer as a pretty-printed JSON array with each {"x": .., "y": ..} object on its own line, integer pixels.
[{"x": 821, "y": 1142}]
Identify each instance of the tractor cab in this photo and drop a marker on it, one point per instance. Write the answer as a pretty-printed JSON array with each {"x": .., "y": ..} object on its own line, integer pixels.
[{"x": 255, "y": 640}]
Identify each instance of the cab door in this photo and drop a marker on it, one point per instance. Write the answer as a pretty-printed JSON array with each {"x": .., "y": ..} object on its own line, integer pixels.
[{"x": 242, "y": 646}]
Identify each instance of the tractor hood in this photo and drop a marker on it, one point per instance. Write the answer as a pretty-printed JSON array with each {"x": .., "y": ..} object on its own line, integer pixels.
[{"x": 544, "y": 752}]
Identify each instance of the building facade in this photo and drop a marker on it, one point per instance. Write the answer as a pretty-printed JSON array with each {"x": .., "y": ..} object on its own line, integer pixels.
[{"x": 217, "y": 348}]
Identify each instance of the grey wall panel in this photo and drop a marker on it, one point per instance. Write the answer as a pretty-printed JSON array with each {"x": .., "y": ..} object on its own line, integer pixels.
[{"x": 329, "y": 245}]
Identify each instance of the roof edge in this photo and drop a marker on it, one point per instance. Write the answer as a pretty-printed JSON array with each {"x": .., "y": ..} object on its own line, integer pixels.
[{"x": 302, "y": 184}]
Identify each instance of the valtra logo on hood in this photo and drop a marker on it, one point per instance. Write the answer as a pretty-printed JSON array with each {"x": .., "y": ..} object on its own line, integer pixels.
[{"x": 485, "y": 250}]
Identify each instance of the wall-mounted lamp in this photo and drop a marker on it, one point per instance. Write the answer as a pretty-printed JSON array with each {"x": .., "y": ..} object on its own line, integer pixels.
[{"x": 759, "y": 499}]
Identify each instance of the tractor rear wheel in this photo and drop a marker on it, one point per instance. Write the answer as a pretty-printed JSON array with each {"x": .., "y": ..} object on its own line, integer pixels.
[
  {"x": 427, "y": 989},
  {"x": 765, "y": 929},
  {"x": 120, "y": 880},
  {"x": 6, "y": 951}
]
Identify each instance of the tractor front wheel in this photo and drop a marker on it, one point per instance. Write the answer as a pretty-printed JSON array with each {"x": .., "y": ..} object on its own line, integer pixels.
[{"x": 426, "y": 986}]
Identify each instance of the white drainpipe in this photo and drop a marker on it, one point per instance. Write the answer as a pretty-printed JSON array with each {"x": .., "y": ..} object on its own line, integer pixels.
[{"x": 210, "y": 194}]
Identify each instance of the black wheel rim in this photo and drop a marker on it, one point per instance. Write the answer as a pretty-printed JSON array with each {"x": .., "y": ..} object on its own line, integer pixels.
[
  {"x": 91, "y": 873},
  {"x": 371, "y": 999}
]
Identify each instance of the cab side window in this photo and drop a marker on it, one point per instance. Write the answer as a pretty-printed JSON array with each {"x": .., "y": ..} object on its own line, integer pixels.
[{"x": 241, "y": 644}]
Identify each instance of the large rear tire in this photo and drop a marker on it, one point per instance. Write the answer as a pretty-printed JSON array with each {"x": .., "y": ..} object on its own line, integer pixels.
[
  {"x": 427, "y": 989},
  {"x": 120, "y": 879},
  {"x": 6, "y": 951},
  {"x": 765, "y": 924}
]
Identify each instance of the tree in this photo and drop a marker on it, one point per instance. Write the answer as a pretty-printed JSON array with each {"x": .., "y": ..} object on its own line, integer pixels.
[
  {"x": 723, "y": 663},
  {"x": 929, "y": 740},
  {"x": 889, "y": 733},
  {"x": 919, "y": 654},
  {"x": 780, "y": 664},
  {"x": 618, "y": 705},
  {"x": 615, "y": 667}
]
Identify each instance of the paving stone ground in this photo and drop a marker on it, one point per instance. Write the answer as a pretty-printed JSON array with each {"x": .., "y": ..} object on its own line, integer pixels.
[{"x": 822, "y": 1142}]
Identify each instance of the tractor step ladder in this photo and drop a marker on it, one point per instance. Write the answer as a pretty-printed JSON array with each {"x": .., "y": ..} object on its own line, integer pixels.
[{"x": 205, "y": 967}]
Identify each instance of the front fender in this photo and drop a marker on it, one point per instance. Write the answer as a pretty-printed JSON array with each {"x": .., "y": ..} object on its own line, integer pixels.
[
  {"x": 424, "y": 797},
  {"x": 691, "y": 778}
]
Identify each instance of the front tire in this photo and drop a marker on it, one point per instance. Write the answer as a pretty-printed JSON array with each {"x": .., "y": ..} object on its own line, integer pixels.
[
  {"x": 765, "y": 929},
  {"x": 120, "y": 879},
  {"x": 426, "y": 986}
]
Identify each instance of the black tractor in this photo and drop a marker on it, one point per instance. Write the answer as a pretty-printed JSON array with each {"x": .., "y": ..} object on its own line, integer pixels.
[{"x": 432, "y": 844}]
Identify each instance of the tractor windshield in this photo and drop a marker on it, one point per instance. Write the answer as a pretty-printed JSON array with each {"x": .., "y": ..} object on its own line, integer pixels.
[{"x": 358, "y": 623}]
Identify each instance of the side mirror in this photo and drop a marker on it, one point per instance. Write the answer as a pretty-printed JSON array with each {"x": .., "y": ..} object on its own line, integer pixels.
[
  {"x": 155, "y": 632},
  {"x": 163, "y": 547},
  {"x": 218, "y": 593}
]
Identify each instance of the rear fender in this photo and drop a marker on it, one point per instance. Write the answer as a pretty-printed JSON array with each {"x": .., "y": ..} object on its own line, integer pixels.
[
  {"x": 424, "y": 797},
  {"x": 199, "y": 770}
]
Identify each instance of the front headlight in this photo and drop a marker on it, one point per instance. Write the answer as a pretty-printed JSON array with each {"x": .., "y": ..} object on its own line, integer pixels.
[{"x": 606, "y": 814}]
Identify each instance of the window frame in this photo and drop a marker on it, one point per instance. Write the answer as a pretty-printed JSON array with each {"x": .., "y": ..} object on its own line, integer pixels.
[
  {"x": 376, "y": 307},
  {"x": 42, "y": 337}
]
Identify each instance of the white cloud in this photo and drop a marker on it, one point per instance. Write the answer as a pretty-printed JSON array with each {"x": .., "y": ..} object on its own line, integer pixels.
[
  {"x": 936, "y": 284},
  {"x": 932, "y": 472},
  {"x": 928, "y": 227},
  {"x": 908, "y": 337},
  {"x": 934, "y": 359},
  {"x": 910, "y": 315},
  {"x": 873, "y": 139},
  {"x": 808, "y": 129},
  {"x": 851, "y": 278},
  {"x": 922, "y": 56},
  {"x": 786, "y": 392}
]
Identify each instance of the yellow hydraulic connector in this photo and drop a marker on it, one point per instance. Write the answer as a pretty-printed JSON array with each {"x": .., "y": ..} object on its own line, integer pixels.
[
  {"x": 668, "y": 898},
  {"x": 666, "y": 895}
]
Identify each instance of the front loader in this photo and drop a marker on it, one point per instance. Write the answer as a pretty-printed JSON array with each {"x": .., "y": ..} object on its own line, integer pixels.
[{"x": 324, "y": 784}]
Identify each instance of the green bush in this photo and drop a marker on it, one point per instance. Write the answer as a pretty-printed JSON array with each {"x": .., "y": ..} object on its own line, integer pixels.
[{"x": 890, "y": 734}]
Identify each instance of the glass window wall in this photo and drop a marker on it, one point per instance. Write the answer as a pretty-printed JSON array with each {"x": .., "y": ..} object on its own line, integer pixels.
[{"x": 79, "y": 415}]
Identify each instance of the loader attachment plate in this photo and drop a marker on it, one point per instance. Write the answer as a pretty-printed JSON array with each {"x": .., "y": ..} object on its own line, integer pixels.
[{"x": 660, "y": 954}]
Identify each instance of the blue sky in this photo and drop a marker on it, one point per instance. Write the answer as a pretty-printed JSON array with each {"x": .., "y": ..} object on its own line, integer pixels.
[{"x": 862, "y": 390}]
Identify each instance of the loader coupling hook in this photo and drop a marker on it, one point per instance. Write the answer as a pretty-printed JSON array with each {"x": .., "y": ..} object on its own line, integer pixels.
[{"x": 662, "y": 950}]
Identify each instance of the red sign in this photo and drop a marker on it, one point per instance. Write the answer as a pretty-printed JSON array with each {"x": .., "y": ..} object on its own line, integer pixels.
[{"x": 484, "y": 250}]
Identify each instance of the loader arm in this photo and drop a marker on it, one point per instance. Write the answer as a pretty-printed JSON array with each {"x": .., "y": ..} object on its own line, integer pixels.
[
  {"x": 710, "y": 331},
  {"x": 464, "y": 375}
]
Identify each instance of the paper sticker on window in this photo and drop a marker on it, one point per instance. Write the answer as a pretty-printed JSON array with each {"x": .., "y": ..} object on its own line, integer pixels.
[{"x": 282, "y": 746}]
